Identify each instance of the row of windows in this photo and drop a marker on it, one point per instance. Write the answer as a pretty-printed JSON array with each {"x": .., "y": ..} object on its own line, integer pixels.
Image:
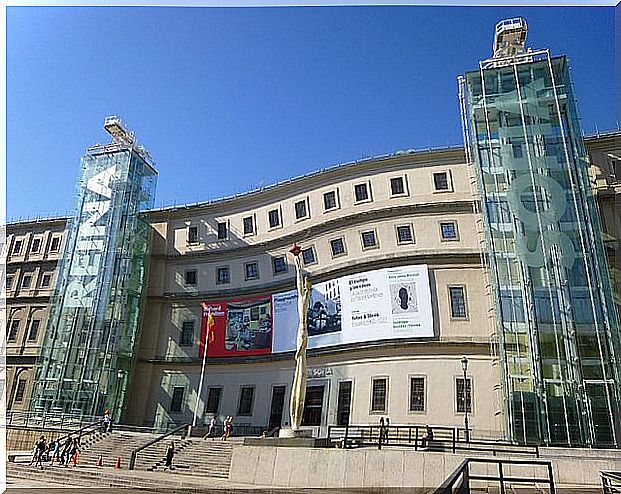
[
  {"x": 379, "y": 398},
  {"x": 338, "y": 247},
  {"x": 35, "y": 246},
  {"x": 13, "y": 330},
  {"x": 331, "y": 201},
  {"x": 27, "y": 281}
]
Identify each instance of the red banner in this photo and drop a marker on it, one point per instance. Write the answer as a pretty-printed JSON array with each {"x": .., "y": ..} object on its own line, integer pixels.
[{"x": 241, "y": 327}]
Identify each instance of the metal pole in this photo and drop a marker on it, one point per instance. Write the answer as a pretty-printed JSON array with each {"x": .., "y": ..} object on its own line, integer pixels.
[{"x": 200, "y": 384}]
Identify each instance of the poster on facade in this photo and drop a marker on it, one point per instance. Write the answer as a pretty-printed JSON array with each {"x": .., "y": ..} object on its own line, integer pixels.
[
  {"x": 241, "y": 327},
  {"x": 374, "y": 305}
]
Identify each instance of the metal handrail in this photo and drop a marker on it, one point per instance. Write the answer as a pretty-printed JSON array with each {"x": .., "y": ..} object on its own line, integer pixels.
[
  {"x": 461, "y": 477},
  {"x": 134, "y": 455},
  {"x": 611, "y": 482},
  {"x": 45, "y": 419}
]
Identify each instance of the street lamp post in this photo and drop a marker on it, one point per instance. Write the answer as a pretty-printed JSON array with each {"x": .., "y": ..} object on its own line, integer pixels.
[{"x": 464, "y": 366}]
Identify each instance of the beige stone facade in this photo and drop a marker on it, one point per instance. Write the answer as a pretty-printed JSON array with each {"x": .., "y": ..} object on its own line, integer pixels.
[{"x": 194, "y": 247}]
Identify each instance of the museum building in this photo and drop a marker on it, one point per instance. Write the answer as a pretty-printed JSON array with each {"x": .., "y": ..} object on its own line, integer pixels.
[{"x": 417, "y": 259}]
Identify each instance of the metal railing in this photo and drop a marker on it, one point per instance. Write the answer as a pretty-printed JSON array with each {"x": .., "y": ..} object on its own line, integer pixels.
[
  {"x": 134, "y": 455},
  {"x": 451, "y": 439},
  {"x": 611, "y": 482},
  {"x": 459, "y": 481},
  {"x": 49, "y": 420}
]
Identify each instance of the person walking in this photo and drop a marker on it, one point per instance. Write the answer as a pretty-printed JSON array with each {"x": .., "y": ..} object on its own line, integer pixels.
[
  {"x": 107, "y": 419},
  {"x": 55, "y": 451},
  {"x": 211, "y": 432},
  {"x": 381, "y": 433},
  {"x": 386, "y": 430},
  {"x": 170, "y": 454},
  {"x": 41, "y": 447},
  {"x": 73, "y": 452},
  {"x": 64, "y": 456},
  {"x": 229, "y": 427}
]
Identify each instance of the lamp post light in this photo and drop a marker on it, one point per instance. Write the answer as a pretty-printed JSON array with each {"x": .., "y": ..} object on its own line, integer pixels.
[{"x": 464, "y": 366}]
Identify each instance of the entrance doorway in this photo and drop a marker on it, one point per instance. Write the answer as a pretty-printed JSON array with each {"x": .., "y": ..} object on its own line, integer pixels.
[{"x": 278, "y": 404}]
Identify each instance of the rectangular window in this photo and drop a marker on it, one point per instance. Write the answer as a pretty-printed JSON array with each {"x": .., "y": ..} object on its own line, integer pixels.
[
  {"x": 252, "y": 271},
  {"x": 461, "y": 398},
  {"x": 34, "y": 330},
  {"x": 615, "y": 165},
  {"x": 404, "y": 234},
  {"x": 274, "y": 218},
  {"x": 222, "y": 231},
  {"x": 379, "y": 393},
  {"x": 192, "y": 234},
  {"x": 36, "y": 246},
  {"x": 191, "y": 277},
  {"x": 308, "y": 255},
  {"x": 280, "y": 264},
  {"x": 369, "y": 240},
  {"x": 337, "y": 246},
  {"x": 458, "y": 302},
  {"x": 397, "y": 186},
  {"x": 46, "y": 280},
  {"x": 26, "y": 280},
  {"x": 213, "y": 400},
  {"x": 417, "y": 394},
  {"x": 187, "y": 334},
  {"x": 13, "y": 330},
  {"x": 246, "y": 397},
  {"x": 55, "y": 244},
  {"x": 248, "y": 225},
  {"x": 17, "y": 247},
  {"x": 301, "y": 211},
  {"x": 313, "y": 405},
  {"x": 9, "y": 281},
  {"x": 361, "y": 192},
  {"x": 441, "y": 181},
  {"x": 21, "y": 389},
  {"x": 329, "y": 200},
  {"x": 176, "y": 401},
  {"x": 223, "y": 275},
  {"x": 343, "y": 405},
  {"x": 448, "y": 230}
]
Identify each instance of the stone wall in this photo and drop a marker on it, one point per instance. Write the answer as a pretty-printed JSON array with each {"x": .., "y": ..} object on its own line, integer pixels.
[{"x": 23, "y": 439}]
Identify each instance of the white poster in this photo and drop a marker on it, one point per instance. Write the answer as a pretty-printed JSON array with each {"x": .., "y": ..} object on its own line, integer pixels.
[{"x": 374, "y": 305}]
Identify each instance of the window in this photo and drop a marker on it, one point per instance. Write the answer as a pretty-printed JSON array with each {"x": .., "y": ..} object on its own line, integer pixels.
[
  {"x": 17, "y": 247},
  {"x": 397, "y": 186},
  {"x": 246, "y": 396},
  {"x": 192, "y": 234},
  {"x": 252, "y": 271},
  {"x": 308, "y": 255},
  {"x": 404, "y": 234},
  {"x": 448, "y": 230},
  {"x": 55, "y": 244},
  {"x": 36, "y": 246},
  {"x": 369, "y": 240},
  {"x": 458, "y": 302},
  {"x": 34, "y": 330},
  {"x": 248, "y": 225},
  {"x": 190, "y": 277},
  {"x": 177, "y": 399},
  {"x": 361, "y": 192},
  {"x": 461, "y": 408},
  {"x": 329, "y": 200},
  {"x": 26, "y": 280},
  {"x": 441, "y": 181},
  {"x": 213, "y": 400},
  {"x": 9, "y": 281},
  {"x": 274, "y": 218},
  {"x": 280, "y": 265},
  {"x": 337, "y": 246},
  {"x": 379, "y": 393},
  {"x": 343, "y": 406},
  {"x": 417, "y": 394},
  {"x": 615, "y": 165},
  {"x": 21, "y": 389},
  {"x": 187, "y": 334},
  {"x": 313, "y": 406},
  {"x": 222, "y": 231},
  {"x": 301, "y": 210},
  {"x": 46, "y": 280},
  {"x": 223, "y": 276},
  {"x": 13, "y": 330}
]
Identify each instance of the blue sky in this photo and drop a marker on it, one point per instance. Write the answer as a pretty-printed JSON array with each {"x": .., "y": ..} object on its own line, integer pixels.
[{"x": 229, "y": 99}]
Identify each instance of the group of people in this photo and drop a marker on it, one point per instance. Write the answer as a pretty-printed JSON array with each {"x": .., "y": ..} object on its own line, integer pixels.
[
  {"x": 227, "y": 428},
  {"x": 383, "y": 432},
  {"x": 54, "y": 451}
]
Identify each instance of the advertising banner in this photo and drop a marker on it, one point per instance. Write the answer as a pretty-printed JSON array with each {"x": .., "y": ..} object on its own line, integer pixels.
[
  {"x": 383, "y": 304},
  {"x": 241, "y": 327}
]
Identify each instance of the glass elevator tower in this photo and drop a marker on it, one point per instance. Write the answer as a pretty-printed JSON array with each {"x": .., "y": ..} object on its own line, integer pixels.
[
  {"x": 87, "y": 355},
  {"x": 558, "y": 333}
]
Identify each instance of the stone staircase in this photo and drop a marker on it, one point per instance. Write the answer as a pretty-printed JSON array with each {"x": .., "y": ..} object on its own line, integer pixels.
[
  {"x": 200, "y": 457},
  {"x": 117, "y": 444}
]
